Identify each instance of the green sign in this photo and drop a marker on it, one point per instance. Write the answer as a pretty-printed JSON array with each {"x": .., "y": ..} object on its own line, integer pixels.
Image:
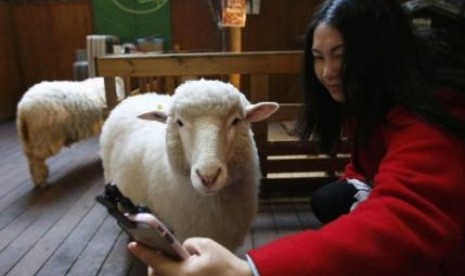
[{"x": 133, "y": 19}]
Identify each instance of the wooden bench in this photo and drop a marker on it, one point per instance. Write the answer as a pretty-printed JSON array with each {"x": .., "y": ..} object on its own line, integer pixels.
[{"x": 289, "y": 167}]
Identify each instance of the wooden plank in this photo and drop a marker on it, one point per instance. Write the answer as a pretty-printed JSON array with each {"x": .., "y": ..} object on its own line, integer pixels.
[
  {"x": 295, "y": 186},
  {"x": 318, "y": 164},
  {"x": 119, "y": 259},
  {"x": 285, "y": 218},
  {"x": 170, "y": 85},
  {"x": 14, "y": 174},
  {"x": 305, "y": 215},
  {"x": 68, "y": 252},
  {"x": 17, "y": 238},
  {"x": 263, "y": 229},
  {"x": 38, "y": 254},
  {"x": 286, "y": 112},
  {"x": 143, "y": 85},
  {"x": 301, "y": 147},
  {"x": 8, "y": 134},
  {"x": 259, "y": 87},
  {"x": 259, "y": 92},
  {"x": 97, "y": 249},
  {"x": 11, "y": 153},
  {"x": 214, "y": 63},
  {"x": 110, "y": 93},
  {"x": 291, "y": 147},
  {"x": 20, "y": 194}
]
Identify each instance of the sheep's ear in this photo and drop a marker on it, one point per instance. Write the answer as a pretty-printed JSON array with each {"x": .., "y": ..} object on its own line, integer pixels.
[
  {"x": 260, "y": 111},
  {"x": 154, "y": 116}
]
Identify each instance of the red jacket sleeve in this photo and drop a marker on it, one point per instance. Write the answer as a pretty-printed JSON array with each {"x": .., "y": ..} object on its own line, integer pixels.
[
  {"x": 351, "y": 171},
  {"x": 411, "y": 224}
]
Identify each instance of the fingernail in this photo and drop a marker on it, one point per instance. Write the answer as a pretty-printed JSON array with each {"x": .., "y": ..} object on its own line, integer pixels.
[{"x": 132, "y": 245}]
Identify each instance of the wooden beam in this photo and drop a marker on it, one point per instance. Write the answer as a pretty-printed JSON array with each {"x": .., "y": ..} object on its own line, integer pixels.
[{"x": 214, "y": 63}]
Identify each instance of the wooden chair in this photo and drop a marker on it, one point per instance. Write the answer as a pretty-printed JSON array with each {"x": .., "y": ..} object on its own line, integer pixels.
[{"x": 289, "y": 167}]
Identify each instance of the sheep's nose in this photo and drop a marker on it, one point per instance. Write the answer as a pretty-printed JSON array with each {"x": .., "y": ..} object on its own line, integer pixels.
[{"x": 208, "y": 179}]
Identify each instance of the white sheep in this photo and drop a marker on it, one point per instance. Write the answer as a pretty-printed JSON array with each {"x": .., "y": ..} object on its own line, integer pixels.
[
  {"x": 54, "y": 114},
  {"x": 195, "y": 165}
]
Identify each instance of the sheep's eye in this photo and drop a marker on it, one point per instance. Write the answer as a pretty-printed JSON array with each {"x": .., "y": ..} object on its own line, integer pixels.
[
  {"x": 180, "y": 123},
  {"x": 237, "y": 120}
]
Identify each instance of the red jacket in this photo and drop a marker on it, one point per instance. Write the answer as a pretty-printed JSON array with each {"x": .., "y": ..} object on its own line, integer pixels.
[{"x": 413, "y": 222}]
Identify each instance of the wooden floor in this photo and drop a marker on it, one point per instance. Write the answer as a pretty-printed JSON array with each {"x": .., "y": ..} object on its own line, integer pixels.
[{"x": 60, "y": 230}]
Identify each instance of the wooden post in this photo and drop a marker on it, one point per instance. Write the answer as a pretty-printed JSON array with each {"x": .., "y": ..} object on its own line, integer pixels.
[
  {"x": 233, "y": 16},
  {"x": 236, "y": 46}
]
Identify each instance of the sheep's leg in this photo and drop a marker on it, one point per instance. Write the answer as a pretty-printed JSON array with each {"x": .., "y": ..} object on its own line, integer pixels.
[
  {"x": 39, "y": 170},
  {"x": 37, "y": 166}
]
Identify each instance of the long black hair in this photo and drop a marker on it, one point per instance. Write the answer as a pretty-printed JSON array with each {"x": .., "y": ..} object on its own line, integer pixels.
[{"x": 386, "y": 63}]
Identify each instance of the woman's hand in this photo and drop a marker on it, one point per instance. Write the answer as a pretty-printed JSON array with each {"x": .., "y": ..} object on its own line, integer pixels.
[{"x": 207, "y": 258}]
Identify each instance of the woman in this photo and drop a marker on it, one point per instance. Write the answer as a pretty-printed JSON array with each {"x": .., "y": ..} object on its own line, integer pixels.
[{"x": 402, "y": 103}]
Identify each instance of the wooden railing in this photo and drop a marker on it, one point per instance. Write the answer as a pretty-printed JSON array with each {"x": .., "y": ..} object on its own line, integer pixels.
[{"x": 289, "y": 167}]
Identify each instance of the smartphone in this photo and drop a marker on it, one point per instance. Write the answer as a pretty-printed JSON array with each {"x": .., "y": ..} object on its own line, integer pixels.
[
  {"x": 140, "y": 224},
  {"x": 150, "y": 231}
]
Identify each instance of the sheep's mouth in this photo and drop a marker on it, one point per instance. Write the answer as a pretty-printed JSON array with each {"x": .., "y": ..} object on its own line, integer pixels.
[{"x": 211, "y": 192}]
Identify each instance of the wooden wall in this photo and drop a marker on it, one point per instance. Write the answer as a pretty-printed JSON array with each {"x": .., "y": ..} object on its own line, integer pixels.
[
  {"x": 40, "y": 42},
  {"x": 279, "y": 25},
  {"x": 49, "y": 34},
  {"x": 10, "y": 75},
  {"x": 39, "y": 39}
]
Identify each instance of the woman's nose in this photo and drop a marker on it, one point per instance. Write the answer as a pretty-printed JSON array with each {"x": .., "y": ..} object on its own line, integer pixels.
[{"x": 331, "y": 70}]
